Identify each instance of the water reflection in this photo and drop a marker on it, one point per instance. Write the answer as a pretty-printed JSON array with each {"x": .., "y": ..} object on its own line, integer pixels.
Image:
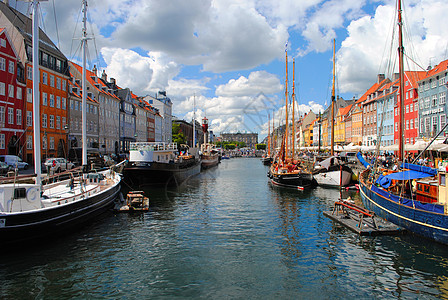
[{"x": 228, "y": 233}]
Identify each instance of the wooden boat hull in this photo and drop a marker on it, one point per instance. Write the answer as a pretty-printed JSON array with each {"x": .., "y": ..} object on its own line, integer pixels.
[
  {"x": 266, "y": 161},
  {"x": 298, "y": 181},
  {"x": 429, "y": 224},
  {"x": 209, "y": 161},
  {"x": 160, "y": 174},
  {"x": 31, "y": 225}
]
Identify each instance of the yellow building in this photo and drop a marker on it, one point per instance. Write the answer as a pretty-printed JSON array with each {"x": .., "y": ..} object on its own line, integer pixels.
[{"x": 325, "y": 132}]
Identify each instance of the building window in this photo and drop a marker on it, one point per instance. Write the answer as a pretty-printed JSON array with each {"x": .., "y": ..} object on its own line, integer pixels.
[
  {"x": 11, "y": 67},
  {"x": 427, "y": 102},
  {"x": 434, "y": 124},
  {"x": 51, "y": 121},
  {"x": 10, "y": 115},
  {"x": 51, "y": 100},
  {"x": 415, "y": 106},
  {"x": 442, "y": 121},
  {"x": 396, "y": 126},
  {"x": 2, "y": 141},
  {"x": 58, "y": 83},
  {"x": 433, "y": 83},
  {"x": 58, "y": 122},
  {"x": 3, "y": 42},
  {"x": 407, "y": 108},
  {"x": 19, "y": 117},
  {"x": 411, "y": 107},
  {"x": 29, "y": 142},
  {"x": 29, "y": 95},
  {"x": 19, "y": 93},
  {"x": 44, "y": 78},
  {"x": 44, "y": 121},
  {"x": 407, "y": 124},
  {"x": 412, "y": 124},
  {"x": 64, "y": 103},
  {"x": 44, "y": 142},
  {"x": 58, "y": 102},
  {"x": 44, "y": 99},
  {"x": 63, "y": 122},
  {"x": 29, "y": 118},
  {"x": 64, "y": 84},
  {"x": 51, "y": 143},
  {"x": 2, "y": 64},
  {"x": 29, "y": 73},
  {"x": 10, "y": 91},
  {"x": 52, "y": 80},
  {"x": 2, "y": 88},
  {"x": 442, "y": 98},
  {"x": 434, "y": 100}
]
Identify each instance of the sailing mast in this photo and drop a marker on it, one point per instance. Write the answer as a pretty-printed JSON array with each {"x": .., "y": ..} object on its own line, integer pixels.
[
  {"x": 332, "y": 102},
  {"x": 293, "y": 107},
  {"x": 401, "y": 72},
  {"x": 36, "y": 97},
  {"x": 194, "y": 120},
  {"x": 84, "y": 85},
  {"x": 286, "y": 107},
  {"x": 269, "y": 135}
]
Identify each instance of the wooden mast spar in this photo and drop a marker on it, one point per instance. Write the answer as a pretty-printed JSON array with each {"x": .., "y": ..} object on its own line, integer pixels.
[
  {"x": 286, "y": 107},
  {"x": 293, "y": 108},
  {"x": 401, "y": 97},
  {"x": 332, "y": 102}
]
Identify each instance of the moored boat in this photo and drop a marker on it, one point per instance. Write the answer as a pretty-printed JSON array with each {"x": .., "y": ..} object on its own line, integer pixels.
[
  {"x": 158, "y": 163},
  {"x": 209, "y": 156},
  {"x": 332, "y": 172},
  {"x": 415, "y": 197},
  {"x": 31, "y": 210}
]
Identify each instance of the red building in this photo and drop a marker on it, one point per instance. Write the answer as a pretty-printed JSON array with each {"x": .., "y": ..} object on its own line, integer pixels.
[
  {"x": 410, "y": 107},
  {"x": 12, "y": 88}
]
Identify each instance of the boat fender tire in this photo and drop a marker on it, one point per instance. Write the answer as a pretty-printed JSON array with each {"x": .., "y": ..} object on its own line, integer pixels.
[{"x": 32, "y": 194}]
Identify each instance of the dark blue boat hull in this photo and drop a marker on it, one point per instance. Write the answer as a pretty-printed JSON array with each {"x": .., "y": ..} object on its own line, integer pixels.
[{"x": 425, "y": 223}]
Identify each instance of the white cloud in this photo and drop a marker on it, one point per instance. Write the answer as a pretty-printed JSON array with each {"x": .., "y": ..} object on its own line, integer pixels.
[
  {"x": 257, "y": 82},
  {"x": 367, "y": 50},
  {"x": 142, "y": 74}
]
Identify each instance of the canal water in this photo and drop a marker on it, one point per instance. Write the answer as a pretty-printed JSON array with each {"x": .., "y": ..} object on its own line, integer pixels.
[{"x": 227, "y": 234}]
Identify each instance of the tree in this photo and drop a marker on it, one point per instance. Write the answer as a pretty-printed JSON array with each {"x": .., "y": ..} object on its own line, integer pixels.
[
  {"x": 178, "y": 135},
  {"x": 260, "y": 146}
]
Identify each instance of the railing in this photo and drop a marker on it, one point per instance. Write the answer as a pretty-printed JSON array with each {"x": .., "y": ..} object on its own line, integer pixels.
[{"x": 152, "y": 146}]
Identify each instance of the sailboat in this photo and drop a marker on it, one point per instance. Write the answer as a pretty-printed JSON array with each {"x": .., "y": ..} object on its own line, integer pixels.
[
  {"x": 31, "y": 210},
  {"x": 285, "y": 171},
  {"x": 266, "y": 159},
  {"x": 332, "y": 171},
  {"x": 416, "y": 197}
]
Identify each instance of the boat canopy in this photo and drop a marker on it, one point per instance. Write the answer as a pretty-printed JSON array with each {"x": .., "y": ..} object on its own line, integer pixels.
[
  {"x": 386, "y": 180},
  {"x": 419, "y": 168},
  {"x": 362, "y": 160}
]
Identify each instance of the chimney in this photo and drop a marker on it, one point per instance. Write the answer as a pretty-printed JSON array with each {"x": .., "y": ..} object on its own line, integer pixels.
[
  {"x": 104, "y": 76},
  {"x": 95, "y": 70},
  {"x": 381, "y": 77},
  {"x": 396, "y": 76},
  {"x": 112, "y": 80}
]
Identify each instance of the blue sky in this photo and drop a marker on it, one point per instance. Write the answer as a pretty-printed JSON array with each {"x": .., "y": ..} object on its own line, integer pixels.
[{"x": 229, "y": 54}]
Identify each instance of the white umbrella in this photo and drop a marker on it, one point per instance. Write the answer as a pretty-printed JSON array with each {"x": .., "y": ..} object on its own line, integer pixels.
[{"x": 393, "y": 147}]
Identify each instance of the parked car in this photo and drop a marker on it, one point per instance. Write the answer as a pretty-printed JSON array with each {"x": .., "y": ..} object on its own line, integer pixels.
[
  {"x": 13, "y": 161},
  {"x": 57, "y": 165},
  {"x": 5, "y": 168}
]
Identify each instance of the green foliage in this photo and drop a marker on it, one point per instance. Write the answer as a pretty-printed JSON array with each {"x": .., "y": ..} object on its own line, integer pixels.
[
  {"x": 229, "y": 146},
  {"x": 178, "y": 136},
  {"x": 260, "y": 146}
]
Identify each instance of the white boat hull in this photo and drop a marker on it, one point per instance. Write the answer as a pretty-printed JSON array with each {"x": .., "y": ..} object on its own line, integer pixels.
[{"x": 333, "y": 178}]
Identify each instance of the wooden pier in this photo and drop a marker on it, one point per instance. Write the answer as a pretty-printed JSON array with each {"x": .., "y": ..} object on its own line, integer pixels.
[{"x": 361, "y": 220}]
